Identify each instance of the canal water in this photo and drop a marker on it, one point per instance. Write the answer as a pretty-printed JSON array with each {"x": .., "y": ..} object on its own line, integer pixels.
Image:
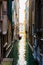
[{"x": 21, "y": 53}]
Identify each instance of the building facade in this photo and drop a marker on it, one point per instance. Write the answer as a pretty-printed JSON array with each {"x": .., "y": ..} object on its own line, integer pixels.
[
  {"x": 5, "y": 28},
  {"x": 27, "y": 17},
  {"x": 36, "y": 29},
  {"x": 15, "y": 18}
]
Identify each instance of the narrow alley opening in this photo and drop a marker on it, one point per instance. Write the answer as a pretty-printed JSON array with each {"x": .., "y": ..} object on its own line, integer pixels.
[{"x": 21, "y": 32}]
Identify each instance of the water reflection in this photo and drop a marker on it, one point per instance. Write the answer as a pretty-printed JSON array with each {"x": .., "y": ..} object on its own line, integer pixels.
[{"x": 22, "y": 45}]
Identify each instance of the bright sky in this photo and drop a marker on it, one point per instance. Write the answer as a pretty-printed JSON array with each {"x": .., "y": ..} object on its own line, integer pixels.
[
  {"x": 22, "y": 16},
  {"x": 21, "y": 10}
]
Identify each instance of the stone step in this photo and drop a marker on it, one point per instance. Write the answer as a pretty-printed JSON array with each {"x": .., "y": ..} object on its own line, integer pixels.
[{"x": 7, "y": 61}]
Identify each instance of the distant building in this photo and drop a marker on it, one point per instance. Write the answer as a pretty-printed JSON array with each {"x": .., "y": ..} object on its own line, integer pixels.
[
  {"x": 27, "y": 16},
  {"x": 15, "y": 17}
]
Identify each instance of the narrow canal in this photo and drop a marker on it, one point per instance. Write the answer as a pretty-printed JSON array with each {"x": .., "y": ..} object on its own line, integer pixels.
[{"x": 21, "y": 53}]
